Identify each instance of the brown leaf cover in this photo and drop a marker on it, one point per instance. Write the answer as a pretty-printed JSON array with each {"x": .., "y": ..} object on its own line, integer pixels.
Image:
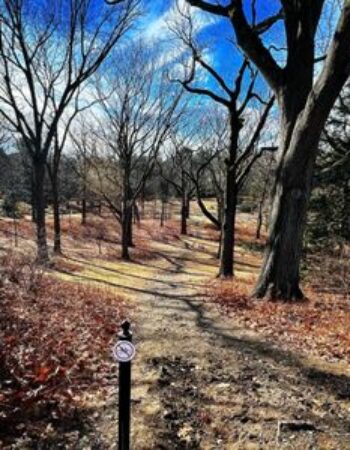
[
  {"x": 318, "y": 326},
  {"x": 56, "y": 340}
]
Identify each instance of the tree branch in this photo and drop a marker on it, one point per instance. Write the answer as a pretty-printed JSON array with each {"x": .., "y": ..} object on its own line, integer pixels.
[
  {"x": 249, "y": 41},
  {"x": 218, "y": 10}
]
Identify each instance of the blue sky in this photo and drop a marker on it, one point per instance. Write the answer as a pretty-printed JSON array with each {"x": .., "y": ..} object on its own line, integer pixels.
[{"x": 216, "y": 33}]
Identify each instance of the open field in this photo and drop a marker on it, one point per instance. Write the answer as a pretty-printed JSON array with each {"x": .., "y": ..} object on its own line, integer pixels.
[{"x": 214, "y": 369}]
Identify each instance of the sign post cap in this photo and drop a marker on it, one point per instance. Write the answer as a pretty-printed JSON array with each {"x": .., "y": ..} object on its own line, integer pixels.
[{"x": 125, "y": 334}]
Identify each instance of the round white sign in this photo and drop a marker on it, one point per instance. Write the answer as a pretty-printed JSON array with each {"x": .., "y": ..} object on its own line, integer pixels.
[{"x": 124, "y": 351}]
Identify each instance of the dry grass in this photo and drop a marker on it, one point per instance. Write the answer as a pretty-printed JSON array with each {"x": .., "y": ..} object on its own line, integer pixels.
[
  {"x": 26, "y": 229},
  {"x": 151, "y": 230}
]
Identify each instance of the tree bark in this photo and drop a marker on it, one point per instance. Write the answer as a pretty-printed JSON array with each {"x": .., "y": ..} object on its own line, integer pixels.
[
  {"x": 228, "y": 231},
  {"x": 126, "y": 219},
  {"x": 304, "y": 107},
  {"x": 53, "y": 176},
  {"x": 39, "y": 178},
  {"x": 231, "y": 192},
  {"x": 279, "y": 277},
  {"x": 215, "y": 221}
]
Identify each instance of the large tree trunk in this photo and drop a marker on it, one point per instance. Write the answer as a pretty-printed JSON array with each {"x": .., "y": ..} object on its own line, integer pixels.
[
  {"x": 305, "y": 107},
  {"x": 39, "y": 178},
  {"x": 279, "y": 276}
]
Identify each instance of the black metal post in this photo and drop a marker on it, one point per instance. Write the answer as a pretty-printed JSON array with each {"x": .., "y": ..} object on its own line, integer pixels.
[{"x": 124, "y": 393}]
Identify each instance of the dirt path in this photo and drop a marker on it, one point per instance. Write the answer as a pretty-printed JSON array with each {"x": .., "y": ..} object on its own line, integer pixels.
[
  {"x": 199, "y": 380},
  {"x": 201, "y": 383}
]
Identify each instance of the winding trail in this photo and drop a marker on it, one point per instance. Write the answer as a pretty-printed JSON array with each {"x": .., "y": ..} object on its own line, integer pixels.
[{"x": 202, "y": 383}]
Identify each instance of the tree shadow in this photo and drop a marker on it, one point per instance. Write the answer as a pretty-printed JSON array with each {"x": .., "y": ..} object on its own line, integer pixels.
[
  {"x": 120, "y": 272},
  {"x": 337, "y": 384}
]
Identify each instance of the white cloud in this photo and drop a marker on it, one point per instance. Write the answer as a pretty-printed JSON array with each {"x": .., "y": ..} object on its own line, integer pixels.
[{"x": 158, "y": 28}]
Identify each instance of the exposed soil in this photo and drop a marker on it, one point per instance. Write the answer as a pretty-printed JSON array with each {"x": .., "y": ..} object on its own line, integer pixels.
[
  {"x": 212, "y": 385},
  {"x": 201, "y": 380}
]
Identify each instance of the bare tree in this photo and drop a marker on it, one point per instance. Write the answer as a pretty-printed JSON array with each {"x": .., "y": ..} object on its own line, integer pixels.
[
  {"x": 175, "y": 170},
  {"x": 83, "y": 140},
  {"x": 210, "y": 135},
  {"x": 196, "y": 143},
  {"x": 305, "y": 102},
  {"x": 48, "y": 50},
  {"x": 77, "y": 106},
  {"x": 133, "y": 124},
  {"x": 238, "y": 163}
]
